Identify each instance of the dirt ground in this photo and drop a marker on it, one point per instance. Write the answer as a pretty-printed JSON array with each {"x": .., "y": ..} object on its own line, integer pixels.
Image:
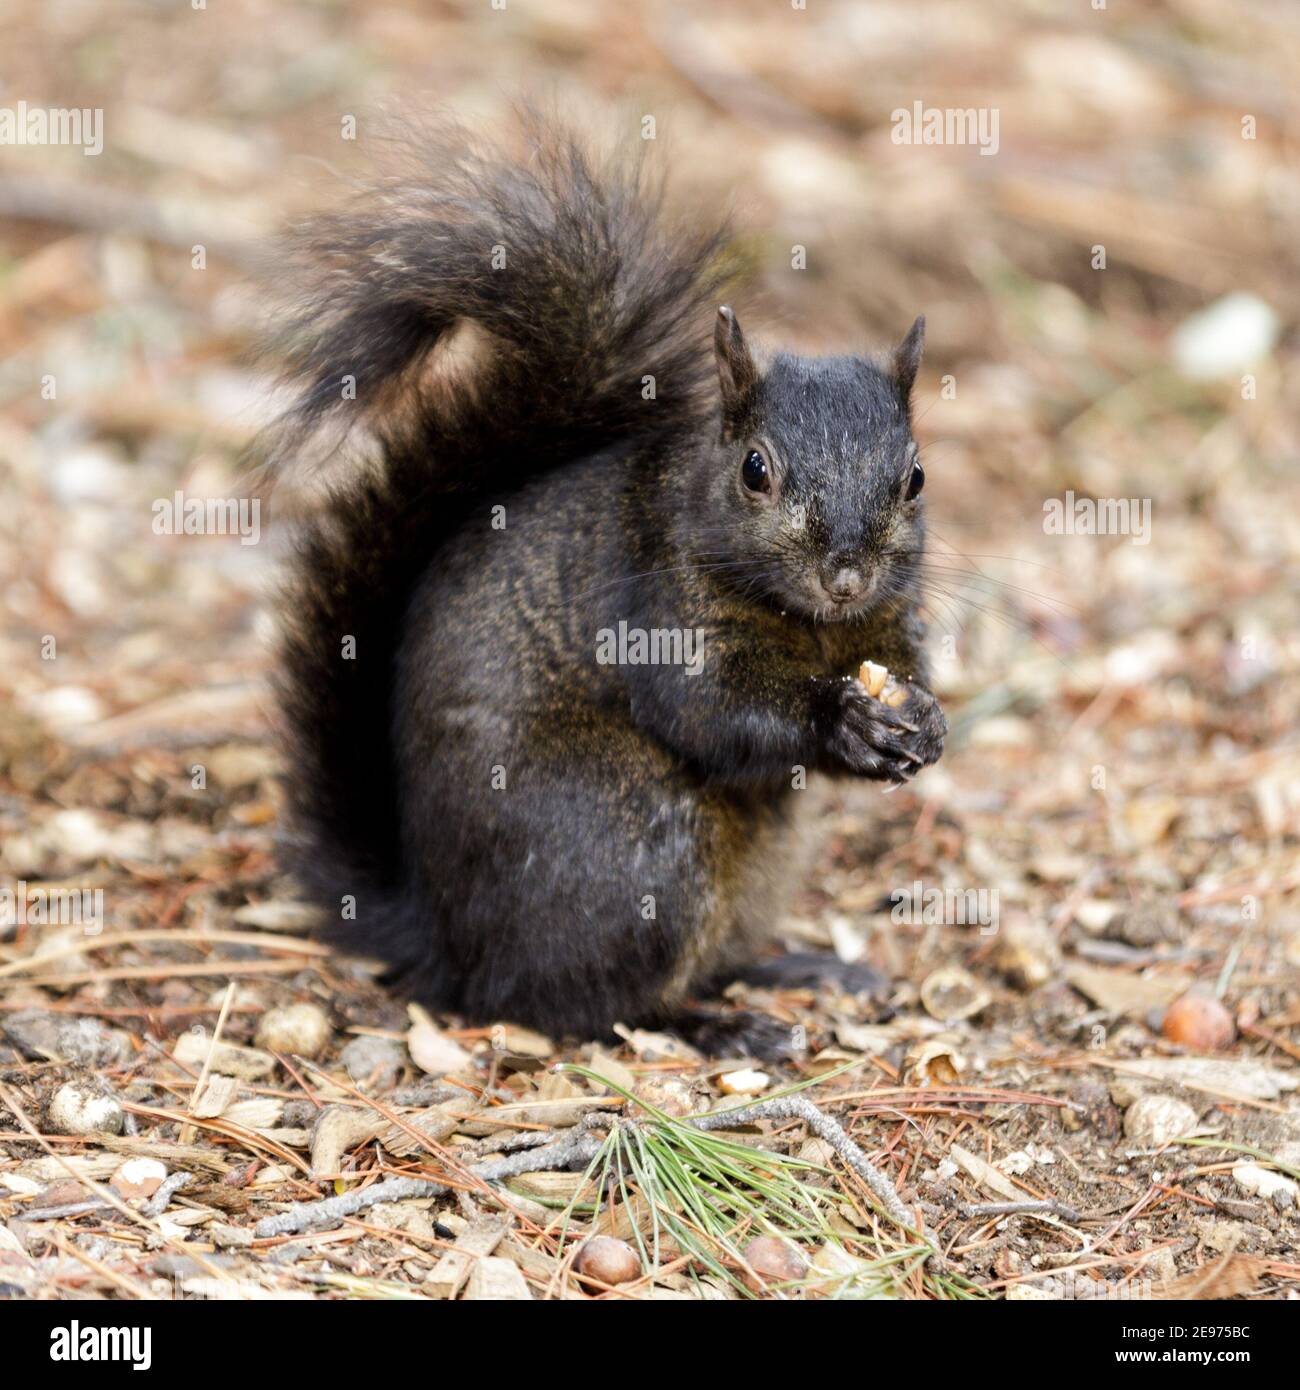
[{"x": 1112, "y": 299}]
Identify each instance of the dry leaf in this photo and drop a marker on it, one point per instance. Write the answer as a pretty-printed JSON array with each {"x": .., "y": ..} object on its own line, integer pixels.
[
  {"x": 1148, "y": 818},
  {"x": 431, "y": 1049},
  {"x": 1124, "y": 992}
]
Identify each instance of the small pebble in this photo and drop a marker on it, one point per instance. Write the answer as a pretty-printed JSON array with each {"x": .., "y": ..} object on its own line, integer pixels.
[
  {"x": 84, "y": 1107},
  {"x": 302, "y": 1030},
  {"x": 85, "y": 1042},
  {"x": 374, "y": 1061},
  {"x": 1154, "y": 1120},
  {"x": 139, "y": 1177}
]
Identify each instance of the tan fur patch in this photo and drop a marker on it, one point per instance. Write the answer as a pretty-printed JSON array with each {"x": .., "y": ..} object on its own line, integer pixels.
[{"x": 454, "y": 372}]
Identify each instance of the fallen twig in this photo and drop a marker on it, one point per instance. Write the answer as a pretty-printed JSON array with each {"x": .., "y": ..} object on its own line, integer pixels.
[
  {"x": 157, "y": 1204},
  {"x": 576, "y": 1148},
  {"x": 65, "y": 1209},
  {"x": 832, "y": 1133},
  {"x": 1049, "y": 1206}
]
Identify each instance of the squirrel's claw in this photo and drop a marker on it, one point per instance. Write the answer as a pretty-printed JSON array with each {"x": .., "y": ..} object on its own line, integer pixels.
[{"x": 886, "y": 744}]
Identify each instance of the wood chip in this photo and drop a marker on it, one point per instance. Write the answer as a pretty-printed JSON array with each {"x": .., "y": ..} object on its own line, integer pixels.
[
  {"x": 480, "y": 1238},
  {"x": 247, "y": 1063},
  {"x": 497, "y": 1280},
  {"x": 984, "y": 1173},
  {"x": 338, "y": 1129},
  {"x": 216, "y": 1097}
]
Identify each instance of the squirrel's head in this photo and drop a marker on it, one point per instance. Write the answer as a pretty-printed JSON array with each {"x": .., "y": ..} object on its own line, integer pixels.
[{"x": 815, "y": 483}]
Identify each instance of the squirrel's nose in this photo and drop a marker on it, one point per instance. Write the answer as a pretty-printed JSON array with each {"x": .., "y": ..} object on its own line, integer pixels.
[{"x": 843, "y": 583}]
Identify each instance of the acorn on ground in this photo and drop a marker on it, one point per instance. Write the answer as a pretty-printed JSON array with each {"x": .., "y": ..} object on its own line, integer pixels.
[
  {"x": 1200, "y": 1022},
  {"x": 605, "y": 1260}
]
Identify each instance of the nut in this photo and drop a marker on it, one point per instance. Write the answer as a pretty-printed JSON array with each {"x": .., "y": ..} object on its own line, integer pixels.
[
  {"x": 1199, "y": 1021},
  {"x": 873, "y": 677},
  {"x": 607, "y": 1261}
]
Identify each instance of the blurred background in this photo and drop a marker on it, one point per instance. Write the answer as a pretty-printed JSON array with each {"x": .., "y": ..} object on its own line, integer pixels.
[{"x": 1112, "y": 293}]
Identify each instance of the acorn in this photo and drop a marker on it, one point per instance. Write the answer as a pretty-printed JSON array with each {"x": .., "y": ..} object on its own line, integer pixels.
[
  {"x": 606, "y": 1261},
  {"x": 1200, "y": 1022}
]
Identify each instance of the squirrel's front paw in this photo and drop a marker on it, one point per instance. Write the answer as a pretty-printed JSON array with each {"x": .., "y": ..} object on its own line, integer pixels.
[
  {"x": 886, "y": 743},
  {"x": 924, "y": 724}
]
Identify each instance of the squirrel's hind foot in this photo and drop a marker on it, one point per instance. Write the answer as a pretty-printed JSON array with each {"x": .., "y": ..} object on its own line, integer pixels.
[
  {"x": 815, "y": 969},
  {"x": 737, "y": 1033}
]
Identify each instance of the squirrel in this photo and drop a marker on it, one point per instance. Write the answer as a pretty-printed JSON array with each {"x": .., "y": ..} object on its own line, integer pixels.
[{"x": 490, "y": 787}]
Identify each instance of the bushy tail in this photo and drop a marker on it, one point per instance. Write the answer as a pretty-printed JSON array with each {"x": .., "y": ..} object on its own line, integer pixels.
[{"x": 477, "y": 320}]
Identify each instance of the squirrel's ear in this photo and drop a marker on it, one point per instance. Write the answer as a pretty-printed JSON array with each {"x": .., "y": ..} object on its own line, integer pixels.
[
  {"x": 736, "y": 371},
  {"x": 907, "y": 358}
]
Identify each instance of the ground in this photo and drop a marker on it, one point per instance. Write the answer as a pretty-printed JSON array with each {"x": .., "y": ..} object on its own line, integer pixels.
[{"x": 1112, "y": 300}]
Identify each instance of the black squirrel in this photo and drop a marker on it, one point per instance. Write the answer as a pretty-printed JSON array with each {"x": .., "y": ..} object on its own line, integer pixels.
[{"x": 488, "y": 788}]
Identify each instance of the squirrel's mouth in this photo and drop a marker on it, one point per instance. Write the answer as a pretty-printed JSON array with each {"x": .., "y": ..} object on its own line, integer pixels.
[{"x": 844, "y": 591}]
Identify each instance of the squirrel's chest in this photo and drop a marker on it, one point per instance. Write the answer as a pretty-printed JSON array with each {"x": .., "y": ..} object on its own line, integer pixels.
[{"x": 844, "y": 647}]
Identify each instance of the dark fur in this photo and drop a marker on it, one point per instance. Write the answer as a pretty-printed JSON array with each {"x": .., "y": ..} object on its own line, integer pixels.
[{"x": 476, "y": 647}]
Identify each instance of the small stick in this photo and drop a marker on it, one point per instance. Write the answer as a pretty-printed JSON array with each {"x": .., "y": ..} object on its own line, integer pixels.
[
  {"x": 157, "y": 1204},
  {"x": 170, "y": 972},
  {"x": 65, "y": 1209},
  {"x": 1051, "y": 1206},
  {"x": 834, "y": 1134},
  {"x": 577, "y": 1147},
  {"x": 321, "y": 1216},
  {"x": 267, "y": 940},
  {"x": 186, "y": 1136}
]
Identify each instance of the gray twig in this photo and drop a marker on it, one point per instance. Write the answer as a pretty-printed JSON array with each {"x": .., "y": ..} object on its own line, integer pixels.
[
  {"x": 576, "y": 1148},
  {"x": 1050, "y": 1206},
  {"x": 834, "y": 1134},
  {"x": 157, "y": 1204},
  {"x": 67, "y": 1209}
]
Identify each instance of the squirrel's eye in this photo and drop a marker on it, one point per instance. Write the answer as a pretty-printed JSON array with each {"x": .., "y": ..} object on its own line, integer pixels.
[
  {"x": 754, "y": 474},
  {"x": 916, "y": 482}
]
